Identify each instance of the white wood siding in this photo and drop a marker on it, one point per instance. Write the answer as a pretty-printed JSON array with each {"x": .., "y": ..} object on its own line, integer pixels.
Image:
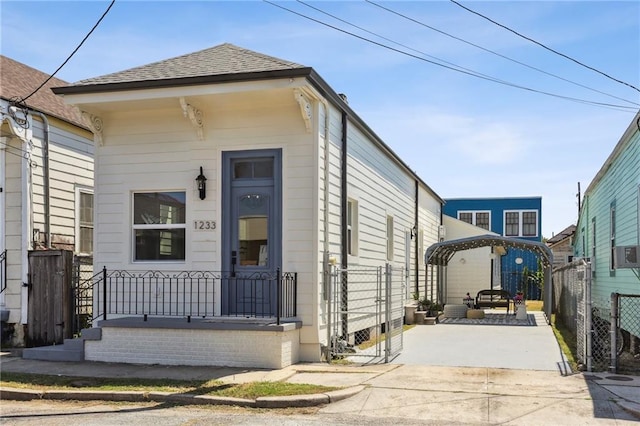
[
  {"x": 620, "y": 185},
  {"x": 70, "y": 166}
]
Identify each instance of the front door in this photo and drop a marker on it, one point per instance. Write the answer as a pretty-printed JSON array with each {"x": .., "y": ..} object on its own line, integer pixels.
[{"x": 251, "y": 233}]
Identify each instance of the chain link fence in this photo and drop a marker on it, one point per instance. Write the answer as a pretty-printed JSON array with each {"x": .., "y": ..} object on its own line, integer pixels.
[
  {"x": 366, "y": 312},
  {"x": 626, "y": 308},
  {"x": 604, "y": 331}
]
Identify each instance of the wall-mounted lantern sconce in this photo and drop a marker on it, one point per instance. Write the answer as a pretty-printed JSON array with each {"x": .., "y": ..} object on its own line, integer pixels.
[
  {"x": 414, "y": 232},
  {"x": 202, "y": 185}
]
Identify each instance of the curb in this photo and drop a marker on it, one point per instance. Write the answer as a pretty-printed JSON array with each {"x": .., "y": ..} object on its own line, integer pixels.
[
  {"x": 632, "y": 408},
  {"x": 312, "y": 400}
]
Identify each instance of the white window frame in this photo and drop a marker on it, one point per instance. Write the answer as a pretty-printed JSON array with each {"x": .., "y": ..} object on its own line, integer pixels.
[
  {"x": 134, "y": 227},
  {"x": 389, "y": 235},
  {"x": 78, "y": 226},
  {"x": 474, "y": 216},
  {"x": 520, "y": 223},
  {"x": 352, "y": 227}
]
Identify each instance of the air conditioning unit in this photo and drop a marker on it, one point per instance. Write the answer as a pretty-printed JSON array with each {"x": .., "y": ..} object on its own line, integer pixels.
[
  {"x": 442, "y": 233},
  {"x": 627, "y": 257}
]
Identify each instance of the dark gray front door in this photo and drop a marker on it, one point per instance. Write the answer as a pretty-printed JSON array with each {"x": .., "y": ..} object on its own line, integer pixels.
[{"x": 251, "y": 231}]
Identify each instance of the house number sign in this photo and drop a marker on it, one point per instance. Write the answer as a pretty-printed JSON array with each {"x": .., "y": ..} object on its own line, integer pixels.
[{"x": 204, "y": 225}]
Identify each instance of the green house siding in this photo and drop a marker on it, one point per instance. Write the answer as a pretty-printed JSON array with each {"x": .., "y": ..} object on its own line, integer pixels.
[{"x": 612, "y": 200}]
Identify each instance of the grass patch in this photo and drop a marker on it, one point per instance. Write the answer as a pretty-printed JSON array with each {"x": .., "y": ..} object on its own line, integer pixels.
[
  {"x": 200, "y": 387},
  {"x": 567, "y": 341},
  {"x": 534, "y": 305}
]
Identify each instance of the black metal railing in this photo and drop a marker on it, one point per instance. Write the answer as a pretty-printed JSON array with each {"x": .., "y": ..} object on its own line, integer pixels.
[
  {"x": 193, "y": 294},
  {"x": 3, "y": 271}
]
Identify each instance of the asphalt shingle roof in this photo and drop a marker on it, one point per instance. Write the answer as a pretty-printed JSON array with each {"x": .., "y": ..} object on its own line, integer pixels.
[
  {"x": 18, "y": 80},
  {"x": 223, "y": 59}
]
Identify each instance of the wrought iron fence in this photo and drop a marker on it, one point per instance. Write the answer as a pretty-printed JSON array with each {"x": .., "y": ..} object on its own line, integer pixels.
[
  {"x": 3, "y": 271},
  {"x": 83, "y": 279},
  {"x": 193, "y": 294}
]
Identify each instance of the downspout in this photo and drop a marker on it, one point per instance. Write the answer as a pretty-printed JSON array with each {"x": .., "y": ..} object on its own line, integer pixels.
[
  {"x": 417, "y": 244},
  {"x": 344, "y": 261},
  {"x": 326, "y": 263},
  {"x": 327, "y": 164},
  {"x": 45, "y": 177},
  {"x": 27, "y": 228},
  {"x": 343, "y": 194}
]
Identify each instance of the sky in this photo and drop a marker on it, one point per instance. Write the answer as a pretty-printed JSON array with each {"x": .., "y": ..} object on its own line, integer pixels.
[{"x": 409, "y": 70}]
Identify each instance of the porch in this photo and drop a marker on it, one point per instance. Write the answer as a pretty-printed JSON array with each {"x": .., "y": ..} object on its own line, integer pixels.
[{"x": 183, "y": 318}]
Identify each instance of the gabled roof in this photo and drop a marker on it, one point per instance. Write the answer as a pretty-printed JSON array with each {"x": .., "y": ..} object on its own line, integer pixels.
[
  {"x": 18, "y": 80},
  {"x": 225, "y": 63},
  {"x": 193, "y": 68},
  {"x": 565, "y": 233},
  {"x": 632, "y": 129},
  {"x": 441, "y": 253}
]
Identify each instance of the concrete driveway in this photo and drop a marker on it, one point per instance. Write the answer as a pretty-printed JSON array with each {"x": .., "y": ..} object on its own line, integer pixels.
[{"x": 491, "y": 346}]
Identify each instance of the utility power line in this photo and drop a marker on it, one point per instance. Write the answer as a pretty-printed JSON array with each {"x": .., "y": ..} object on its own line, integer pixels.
[
  {"x": 458, "y": 69},
  {"x": 72, "y": 53},
  {"x": 545, "y": 47},
  {"x": 498, "y": 54}
]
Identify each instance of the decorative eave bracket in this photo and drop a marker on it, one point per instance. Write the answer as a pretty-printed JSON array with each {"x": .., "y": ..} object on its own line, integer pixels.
[
  {"x": 305, "y": 108},
  {"x": 194, "y": 115},
  {"x": 94, "y": 123}
]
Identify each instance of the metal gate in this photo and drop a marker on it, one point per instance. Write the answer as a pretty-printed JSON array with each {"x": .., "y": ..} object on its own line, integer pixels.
[
  {"x": 83, "y": 284},
  {"x": 366, "y": 312}
]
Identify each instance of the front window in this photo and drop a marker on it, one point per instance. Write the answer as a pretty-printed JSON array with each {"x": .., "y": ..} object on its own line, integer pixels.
[
  {"x": 159, "y": 226},
  {"x": 481, "y": 219},
  {"x": 529, "y": 224},
  {"x": 521, "y": 223},
  {"x": 512, "y": 224},
  {"x": 466, "y": 217}
]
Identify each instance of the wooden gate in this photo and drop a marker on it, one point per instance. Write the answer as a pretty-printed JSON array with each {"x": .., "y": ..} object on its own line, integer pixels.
[{"x": 50, "y": 318}]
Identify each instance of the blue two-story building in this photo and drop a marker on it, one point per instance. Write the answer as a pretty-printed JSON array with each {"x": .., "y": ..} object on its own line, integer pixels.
[{"x": 517, "y": 217}]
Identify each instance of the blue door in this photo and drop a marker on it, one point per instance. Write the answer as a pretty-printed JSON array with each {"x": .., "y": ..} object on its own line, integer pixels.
[{"x": 251, "y": 232}]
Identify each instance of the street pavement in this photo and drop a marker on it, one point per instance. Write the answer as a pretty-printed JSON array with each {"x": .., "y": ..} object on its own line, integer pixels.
[{"x": 446, "y": 374}]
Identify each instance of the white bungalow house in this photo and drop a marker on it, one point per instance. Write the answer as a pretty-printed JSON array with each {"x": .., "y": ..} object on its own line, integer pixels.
[
  {"x": 228, "y": 184},
  {"x": 46, "y": 194}
]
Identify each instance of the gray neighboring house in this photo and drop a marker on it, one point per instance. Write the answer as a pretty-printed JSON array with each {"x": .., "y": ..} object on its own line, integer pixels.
[{"x": 46, "y": 188}]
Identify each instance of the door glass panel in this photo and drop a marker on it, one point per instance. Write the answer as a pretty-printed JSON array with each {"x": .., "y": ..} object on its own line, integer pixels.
[
  {"x": 242, "y": 170},
  {"x": 253, "y": 169},
  {"x": 263, "y": 169},
  {"x": 253, "y": 221}
]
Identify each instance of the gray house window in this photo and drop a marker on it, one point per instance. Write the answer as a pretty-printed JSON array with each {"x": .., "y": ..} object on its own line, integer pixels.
[{"x": 159, "y": 226}]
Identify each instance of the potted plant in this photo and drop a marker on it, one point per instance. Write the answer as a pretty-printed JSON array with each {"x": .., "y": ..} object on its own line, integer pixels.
[
  {"x": 424, "y": 304},
  {"x": 434, "y": 309}
]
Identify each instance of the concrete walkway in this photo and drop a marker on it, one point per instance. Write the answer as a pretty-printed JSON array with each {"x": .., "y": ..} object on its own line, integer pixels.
[
  {"x": 446, "y": 374},
  {"x": 492, "y": 346}
]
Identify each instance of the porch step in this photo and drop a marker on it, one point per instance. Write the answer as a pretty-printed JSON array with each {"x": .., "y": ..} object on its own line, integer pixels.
[
  {"x": 71, "y": 350},
  {"x": 55, "y": 353}
]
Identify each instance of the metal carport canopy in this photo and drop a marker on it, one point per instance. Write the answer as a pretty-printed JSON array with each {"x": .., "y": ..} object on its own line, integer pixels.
[{"x": 441, "y": 253}]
